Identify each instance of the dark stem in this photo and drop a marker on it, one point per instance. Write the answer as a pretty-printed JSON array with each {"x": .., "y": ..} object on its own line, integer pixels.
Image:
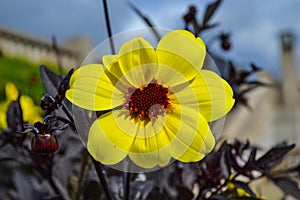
[
  {"x": 66, "y": 121},
  {"x": 54, "y": 187},
  {"x": 67, "y": 113},
  {"x": 50, "y": 178},
  {"x": 111, "y": 42},
  {"x": 57, "y": 53},
  {"x": 102, "y": 177},
  {"x": 86, "y": 164},
  {"x": 146, "y": 20},
  {"x": 126, "y": 180}
]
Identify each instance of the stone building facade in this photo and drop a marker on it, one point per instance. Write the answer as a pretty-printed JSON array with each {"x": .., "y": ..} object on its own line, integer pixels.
[
  {"x": 14, "y": 43},
  {"x": 275, "y": 116}
]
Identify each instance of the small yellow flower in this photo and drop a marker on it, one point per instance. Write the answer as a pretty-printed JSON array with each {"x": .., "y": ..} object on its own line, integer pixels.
[
  {"x": 31, "y": 112},
  {"x": 160, "y": 98}
]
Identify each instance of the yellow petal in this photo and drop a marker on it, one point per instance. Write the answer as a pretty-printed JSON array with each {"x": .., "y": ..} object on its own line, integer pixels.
[
  {"x": 3, "y": 123},
  {"x": 170, "y": 77},
  {"x": 90, "y": 88},
  {"x": 160, "y": 157},
  {"x": 101, "y": 148},
  {"x": 147, "y": 145},
  {"x": 11, "y": 91},
  {"x": 181, "y": 51},
  {"x": 215, "y": 96},
  {"x": 31, "y": 113},
  {"x": 134, "y": 54},
  {"x": 118, "y": 129},
  {"x": 113, "y": 71},
  {"x": 153, "y": 149},
  {"x": 190, "y": 134},
  {"x": 202, "y": 144}
]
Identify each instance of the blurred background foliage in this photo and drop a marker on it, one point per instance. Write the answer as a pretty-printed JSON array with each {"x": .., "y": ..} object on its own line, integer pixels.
[{"x": 24, "y": 74}]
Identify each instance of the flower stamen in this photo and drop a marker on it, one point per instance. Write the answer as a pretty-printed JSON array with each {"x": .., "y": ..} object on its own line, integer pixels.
[{"x": 148, "y": 101}]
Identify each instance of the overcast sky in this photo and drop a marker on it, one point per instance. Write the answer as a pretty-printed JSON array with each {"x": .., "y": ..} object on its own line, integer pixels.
[{"x": 255, "y": 25}]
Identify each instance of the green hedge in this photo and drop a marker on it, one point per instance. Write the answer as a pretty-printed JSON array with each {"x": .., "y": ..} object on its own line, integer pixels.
[{"x": 24, "y": 74}]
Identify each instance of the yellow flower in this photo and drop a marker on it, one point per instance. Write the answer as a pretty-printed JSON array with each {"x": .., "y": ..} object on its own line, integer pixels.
[
  {"x": 31, "y": 112},
  {"x": 161, "y": 101}
]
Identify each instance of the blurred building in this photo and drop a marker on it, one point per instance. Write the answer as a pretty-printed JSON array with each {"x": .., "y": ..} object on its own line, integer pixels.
[
  {"x": 14, "y": 43},
  {"x": 275, "y": 113}
]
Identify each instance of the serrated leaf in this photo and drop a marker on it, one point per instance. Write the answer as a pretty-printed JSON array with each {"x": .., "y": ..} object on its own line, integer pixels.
[
  {"x": 288, "y": 186},
  {"x": 210, "y": 10}
]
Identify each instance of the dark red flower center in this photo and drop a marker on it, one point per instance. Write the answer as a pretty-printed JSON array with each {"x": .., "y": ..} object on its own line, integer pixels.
[{"x": 148, "y": 101}]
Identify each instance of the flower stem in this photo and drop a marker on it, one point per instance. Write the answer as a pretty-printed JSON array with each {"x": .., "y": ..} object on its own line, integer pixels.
[
  {"x": 126, "y": 180},
  {"x": 85, "y": 167},
  {"x": 101, "y": 175},
  {"x": 57, "y": 54},
  {"x": 108, "y": 27}
]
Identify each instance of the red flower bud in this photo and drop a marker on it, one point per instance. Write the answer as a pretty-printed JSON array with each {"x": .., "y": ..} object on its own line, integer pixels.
[{"x": 44, "y": 143}]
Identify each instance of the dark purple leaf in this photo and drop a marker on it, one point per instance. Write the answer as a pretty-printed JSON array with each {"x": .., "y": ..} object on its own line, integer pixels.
[
  {"x": 14, "y": 116},
  {"x": 245, "y": 198},
  {"x": 64, "y": 85},
  {"x": 243, "y": 92},
  {"x": 255, "y": 68},
  {"x": 288, "y": 186},
  {"x": 231, "y": 73},
  {"x": 217, "y": 197},
  {"x": 210, "y": 10},
  {"x": 184, "y": 193},
  {"x": 231, "y": 159},
  {"x": 59, "y": 98},
  {"x": 50, "y": 80},
  {"x": 250, "y": 165},
  {"x": 56, "y": 86},
  {"x": 273, "y": 157},
  {"x": 243, "y": 74},
  {"x": 294, "y": 169},
  {"x": 208, "y": 26},
  {"x": 257, "y": 83},
  {"x": 92, "y": 191},
  {"x": 56, "y": 197}
]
